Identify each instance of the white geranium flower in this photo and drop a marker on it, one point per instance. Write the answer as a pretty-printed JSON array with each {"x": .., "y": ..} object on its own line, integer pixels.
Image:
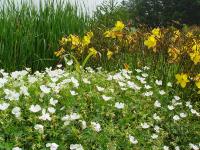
[
  {"x": 119, "y": 105},
  {"x": 35, "y": 108},
  {"x": 16, "y": 148},
  {"x": 83, "y": 124},
  {"x": 132, "y": 139},
  {"x": 138, "y": 70},
  {"x": 53, "y": 102},
  {"x": 165, "y": 148},
  {"x": 4, "y": 106},
  {"x": 75, "y": 82},
  {"x": 45, "y": 116},
  {"x": 11, "y": 95},
  {"x": 96, "y": 126},
  {"x": 133, "y": 86},
  {"x": 157, "y": 104},
  {"x": 24, "y": 90},
  {"x": 176, "y": 118},
  {"x": 169, "y": 84},
  {"x": 193, "y": 146},
  {"x": 86, "y": 81},
  {"x": 158, "y": 82},
  {"x": 177, "y": 98},
  {"x": 145, "y": 125},
  {"x": 70, "y": 62},
  {"x": 146, "y": 68},
  {"x": 74, "y": 116},
  {"x": 76, "y": 147},
  {"x": 162, "y": 92},
  {"x": 51, "y": 110},
  {"x": 121, "y": 84},
  {"x": 3, "y": 81},
  {"x": 156, "y": 117},
  {"x": 32, "y": 79},
  {"x": 147, "y": 87},
  {"x": 39, "y": 128},
  {"x": 52, "y": 146},
  {"x": 45, "y": 89},
  {"x": 106, "y": 98},
  {"x": 183, "y": 115},
  {"x": 170, "y": 107},
  {"x": 147, "y": 94},
  {"x": 154, "y": 136},
  {"x": 145, "y": 75},
  {"x": 100, "y": 89},
  {"x": 157, "y": 128},
  {"x": 177, "y": 148},
  {"x": 73, "y": 93},
  {"x": 16, "y": 111}
]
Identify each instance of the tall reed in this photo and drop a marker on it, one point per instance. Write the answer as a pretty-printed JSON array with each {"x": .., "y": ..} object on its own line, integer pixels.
[{"x": 29, "y": 34}]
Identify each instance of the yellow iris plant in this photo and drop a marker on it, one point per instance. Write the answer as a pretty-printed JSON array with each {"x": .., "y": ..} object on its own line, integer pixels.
[
  {"x": 156, "y": 32},
  {"x": 195, "y": 55},
  {"x": 182, "y": 79},
  {"x": 119, "y": 26},
  {"x": 93, "y": 51}
]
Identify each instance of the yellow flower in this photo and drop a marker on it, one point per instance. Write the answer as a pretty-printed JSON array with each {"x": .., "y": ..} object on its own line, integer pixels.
[
  {"x": 126, "y": 66},
  {"x": 110, "y": 34},
  {"x": 93, "y": 51},
  {"x": 119, "y": 26},
  {"x": 156, "y": 32},
  {"x": 150, "y": 42},
  {"x": 109, "y": 54},
  {"x": 195, "y": 55},
  {"x": 60, "y": 52},
  {"x": 64, "y": 40},
  {"x": 182, "y": 79},
  {"x": 75, "y": 41},
  {"x": 86, "y": 40},
  {"x": 197, "y": 81}
]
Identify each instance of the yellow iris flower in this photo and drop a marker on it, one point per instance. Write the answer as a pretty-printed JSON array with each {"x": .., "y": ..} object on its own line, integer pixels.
[
  {"x": 150, "y": 42},
  {"x": 93, "y": 51},
  {"x": 119, "y": 26},
  {"x": 156, "y": 32},
  {"x": 109, "y": 54},
  {"x": 182, "y": 79}
]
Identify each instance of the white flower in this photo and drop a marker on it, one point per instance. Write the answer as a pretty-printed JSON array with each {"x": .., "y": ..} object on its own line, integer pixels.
[
  {"x": 165, "y": 148},
  {"x": 157, "y": 104},
  {"x": 16, "y": 148},
  {"x": 145, "y": 75},
  {"x": 138, "y": 70},
  {"x": 83, "y": 124},
  {"x": 75, "y": 82},
  {"x": 70, "y": 62},
  {"x": 193, "y": 111},
  {"x": 73, "y": 93},
  {"x": 45, "y": 116},
  {"x": 156, "y": 117},
  {"x": 158, "y": 82},
  {"x": 32, "y": 79},
  {"x": 162, "y": 92},
  {"x": 169, "y": 84},
  {"x": 45, "y": 89},
  {"x": 39, "y": 128},
  {"x": 183, "y": 115},
  {"x": 24, "y": 90},
  {"x": 133, "y": 85},
  {"x": 119, "y": 105},
  {"x": 53, "y": 102},
  {"x": 147, "y": 87},
  {"x": 147, "y": 94},
  {"x": 132, "y": 139},
  {"x": 177, "y": 148},
  {"x": 3, "y": 81},
  {"x": 35, "y": 108},
  {"x": 16, "y": 111},
  {"x": 74, "y": 116},
  {"x": 193, "y": 146},
  {"x": 146, "y": 68},
  {"x": 177, "y": 98},
  {"x": 154, "y": 136},
  {"x": 96, "y": 126},
  {"x": 52, "y": 146},
  {"x": 106, "y": 98},
  {"x": 157, "y": 128},
  {"x": 100, "y": 89},
  {"x": 188, "y": 104},
  {"x": 76, "y": 147},
  {"x": 170, "y": 107},
  {"x": 86, "y": 81},
  {"x": 51, "y": 110},
  {"x": 11, "y": 95},
  {"x": 4, "y": 106},
  {"x": 122, "y": 84},
  {"x": 145, "y": 125},
  {"x": 176, "y": 118}
]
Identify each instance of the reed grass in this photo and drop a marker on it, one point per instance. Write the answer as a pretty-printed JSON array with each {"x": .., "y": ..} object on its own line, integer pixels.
[{"x": 29, "y": 34}]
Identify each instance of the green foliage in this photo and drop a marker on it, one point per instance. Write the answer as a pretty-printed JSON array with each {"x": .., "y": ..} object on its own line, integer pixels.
[
  {"x": 29, "y": 35},
  {"x": 165, "y": 12}
]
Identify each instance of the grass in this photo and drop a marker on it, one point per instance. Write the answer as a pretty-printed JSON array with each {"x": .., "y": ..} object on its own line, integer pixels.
[{"x": 29, "y": 35}]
